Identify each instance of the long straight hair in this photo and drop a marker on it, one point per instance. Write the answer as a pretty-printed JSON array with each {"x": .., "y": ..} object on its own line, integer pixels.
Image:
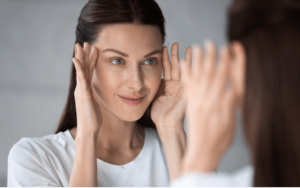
[
  {"x": 270, "y": 32},
  {"x": 95, "y": 15}
]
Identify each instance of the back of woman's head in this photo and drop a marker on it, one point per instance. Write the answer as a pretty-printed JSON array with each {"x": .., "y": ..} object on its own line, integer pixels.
[
  {"x": 270, "y": 33},
  {"x": 97, "y": 14}
]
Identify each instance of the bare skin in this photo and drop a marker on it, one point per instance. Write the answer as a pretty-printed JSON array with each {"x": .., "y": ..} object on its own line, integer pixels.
[
  {"x": 211, "y": 134},
  {"x": 125, "y": 61}
]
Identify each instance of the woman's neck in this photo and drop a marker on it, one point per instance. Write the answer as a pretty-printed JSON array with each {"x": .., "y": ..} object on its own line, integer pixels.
[{"x": 116, "y": 134}]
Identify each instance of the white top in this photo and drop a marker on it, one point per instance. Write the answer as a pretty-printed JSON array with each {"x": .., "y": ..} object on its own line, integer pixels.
[
  {"x": 48, "y": 161},
  {"x": 241, "y": 178}
]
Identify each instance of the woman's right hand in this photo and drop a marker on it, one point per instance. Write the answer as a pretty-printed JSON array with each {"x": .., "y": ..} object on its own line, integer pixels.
[
  {"x": 211, "y": 108},
  {"x": 89, "y": 119},
  {"x": 88, "y": 112}
]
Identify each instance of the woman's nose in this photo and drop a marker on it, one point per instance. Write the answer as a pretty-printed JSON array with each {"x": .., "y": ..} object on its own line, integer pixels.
[{"x": 134, "y": 78}]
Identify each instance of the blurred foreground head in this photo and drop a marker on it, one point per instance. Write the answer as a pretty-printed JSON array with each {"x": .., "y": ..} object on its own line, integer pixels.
[{"x": 269, "y": 31}]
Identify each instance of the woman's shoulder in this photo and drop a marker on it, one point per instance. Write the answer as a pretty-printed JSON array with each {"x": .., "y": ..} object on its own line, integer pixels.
[
  {"x": 39, "y": 147},
  {"x": 34, "y": 161},
  {"x": 51, "y": 140}
]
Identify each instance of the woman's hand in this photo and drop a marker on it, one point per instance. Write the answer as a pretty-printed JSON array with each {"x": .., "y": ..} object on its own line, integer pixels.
[
  {"x": 168, "y": 110},
  {"x": 210, "y": 111},
  {"x": 169, "y": 106},
  {"x": 88, "y": 111},
  {"x": 89, "y": 119}
]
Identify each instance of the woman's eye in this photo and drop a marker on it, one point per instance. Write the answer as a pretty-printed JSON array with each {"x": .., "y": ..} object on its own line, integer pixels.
[
  {"x": 117, "y": 61},
  {"x": 150, "y": 61}
]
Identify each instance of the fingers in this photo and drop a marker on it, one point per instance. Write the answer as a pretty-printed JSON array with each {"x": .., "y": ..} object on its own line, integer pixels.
[
  {"x": 166, "y": 64},
  {"x": 86, "y": 50},
  {"x": 210, "y": 57},
  {"x": 92, "y": 61},
  {"x": 87, "y": 59},
  {"x": 187, "y": 65},
  {"x": 223, "y": 71},
  {"x": 176, "y": 69},
  {"x": 79, "y": 54},
  {"x": 208, "y": 79},
  {"x": 93, "y": 57},
  {"x": 208, "y": 74},
  {"x": 198, "y": 60},
  {"x": 80, "y": 74}
]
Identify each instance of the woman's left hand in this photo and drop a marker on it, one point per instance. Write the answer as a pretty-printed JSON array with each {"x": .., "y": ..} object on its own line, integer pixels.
[
  {"x": 168, "y": 110},
  {"x": 169, "y": 105}
]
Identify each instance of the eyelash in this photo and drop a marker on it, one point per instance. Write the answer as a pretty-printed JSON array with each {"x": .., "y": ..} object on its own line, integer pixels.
[
  {"x": 117, "y": 59},
  {"x": 154, "y": 59}
]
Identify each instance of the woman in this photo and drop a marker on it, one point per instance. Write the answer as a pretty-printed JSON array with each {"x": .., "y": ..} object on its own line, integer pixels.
[
  {"x": 115, "y": 93},
  {"x": 265, "y": 75}
]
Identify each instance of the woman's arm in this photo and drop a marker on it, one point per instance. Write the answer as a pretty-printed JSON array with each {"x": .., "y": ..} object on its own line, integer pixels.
[
  {"x": 169, "y": 108},
  {"x": 174, "y": 142},
  {"x": 84, "y": 172}
]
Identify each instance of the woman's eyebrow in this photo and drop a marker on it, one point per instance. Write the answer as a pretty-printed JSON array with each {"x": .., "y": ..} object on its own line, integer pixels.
[
  {"x": 126, "y": 55},
  {"x": 154, "y": 52},
  {"x": 116, "y": 51}
]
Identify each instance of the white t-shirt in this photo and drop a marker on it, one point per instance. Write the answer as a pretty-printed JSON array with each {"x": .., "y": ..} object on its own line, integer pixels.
[
  {"x": 48, "y": 161},
  {"x": 240, "y": 178}
]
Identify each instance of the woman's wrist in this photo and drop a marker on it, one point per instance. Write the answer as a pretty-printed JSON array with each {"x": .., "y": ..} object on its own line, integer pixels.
[
  {"x": 84, "y": 136},
  {"x": 204, "y": 163},
  {"x": 174, "y": 141},
  {"x": 168, "y": 133}
]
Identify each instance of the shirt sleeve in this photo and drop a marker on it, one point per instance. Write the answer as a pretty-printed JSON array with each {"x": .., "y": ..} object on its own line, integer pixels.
[
  {"x": 241, "y": 178},
  {"x": 25, "y": 168}
]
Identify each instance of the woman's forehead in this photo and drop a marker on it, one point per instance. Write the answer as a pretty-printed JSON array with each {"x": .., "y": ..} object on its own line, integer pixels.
[{"x": 129, "y": 35}]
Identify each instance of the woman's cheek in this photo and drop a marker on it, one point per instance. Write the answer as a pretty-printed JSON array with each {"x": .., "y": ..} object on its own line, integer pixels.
[{"x": 105, "y": 83}]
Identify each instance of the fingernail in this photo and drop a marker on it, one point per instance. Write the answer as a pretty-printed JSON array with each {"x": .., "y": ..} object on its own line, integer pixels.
[
  {"x": 195, "y": 48},
  {"x": 208, "y": 44}
]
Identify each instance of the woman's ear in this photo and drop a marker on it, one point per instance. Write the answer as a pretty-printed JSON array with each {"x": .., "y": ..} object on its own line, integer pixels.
[{"x": 238, "y": 69}]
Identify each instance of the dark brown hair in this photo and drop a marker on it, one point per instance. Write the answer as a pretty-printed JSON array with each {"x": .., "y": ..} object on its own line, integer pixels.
[
  {"x": 270, "y": 33},
  {"x": 96, "y": 14}
]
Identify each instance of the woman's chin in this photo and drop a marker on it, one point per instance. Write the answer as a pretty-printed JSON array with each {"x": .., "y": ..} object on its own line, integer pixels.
[{"x": 131, "y": 116}]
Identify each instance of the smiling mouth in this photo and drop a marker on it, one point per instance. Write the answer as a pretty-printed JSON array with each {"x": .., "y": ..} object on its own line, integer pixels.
[{"x": 132, "y": 102}]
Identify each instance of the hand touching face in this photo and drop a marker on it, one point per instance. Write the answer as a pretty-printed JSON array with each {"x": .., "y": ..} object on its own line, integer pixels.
[{"x": 169, "y": 107}]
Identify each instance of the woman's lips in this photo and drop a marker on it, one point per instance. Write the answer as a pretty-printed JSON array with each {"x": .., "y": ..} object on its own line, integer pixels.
[{"x": 132, "y": 102}]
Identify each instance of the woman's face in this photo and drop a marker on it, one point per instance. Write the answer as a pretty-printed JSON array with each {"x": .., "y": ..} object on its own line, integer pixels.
[{"x": 129, "y": 67}]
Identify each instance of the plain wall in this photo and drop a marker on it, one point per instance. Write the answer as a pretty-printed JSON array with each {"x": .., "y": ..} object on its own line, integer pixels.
[{"x": 37, "y": 39}]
